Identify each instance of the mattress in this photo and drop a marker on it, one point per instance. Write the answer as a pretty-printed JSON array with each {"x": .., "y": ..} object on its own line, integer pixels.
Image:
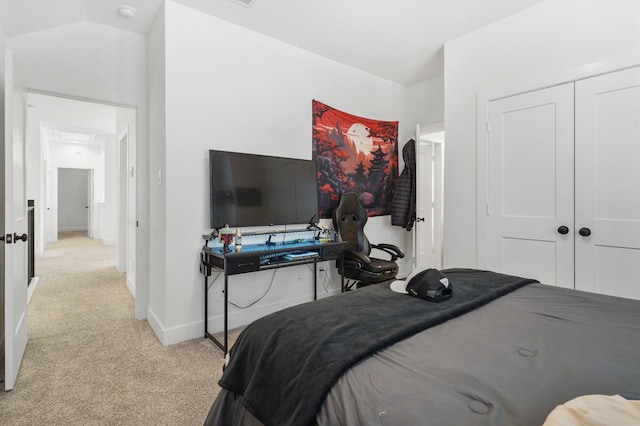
[{"x": 508, "y": 362}]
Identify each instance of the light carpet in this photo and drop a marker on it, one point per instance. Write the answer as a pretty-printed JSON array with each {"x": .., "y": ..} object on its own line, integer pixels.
[{"x": 90, "y": 362}]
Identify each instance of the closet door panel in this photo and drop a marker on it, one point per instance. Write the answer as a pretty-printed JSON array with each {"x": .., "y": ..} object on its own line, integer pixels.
[
  {"x": 530, "y": 185},
  {"x": 608, "y": 183}
]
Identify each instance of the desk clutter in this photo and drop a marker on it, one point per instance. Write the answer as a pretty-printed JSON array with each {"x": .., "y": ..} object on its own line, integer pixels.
[
  {"x": 259, "y": 257},
  {"x": 287, "y": 256}
]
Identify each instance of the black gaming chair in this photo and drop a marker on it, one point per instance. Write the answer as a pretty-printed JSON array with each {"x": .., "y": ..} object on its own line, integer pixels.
[{"x": 349, "y": 219}]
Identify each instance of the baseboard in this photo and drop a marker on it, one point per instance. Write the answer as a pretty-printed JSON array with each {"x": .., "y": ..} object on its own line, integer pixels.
[
  {"x": 32, "y": 287},
  {"x": 194, "y": 330},
  {"x": 72, "y": 229},
  {"x": 132, "y": 288},
  {"x": 155, "y": 325},
  {"x": 171, "y": 336}
]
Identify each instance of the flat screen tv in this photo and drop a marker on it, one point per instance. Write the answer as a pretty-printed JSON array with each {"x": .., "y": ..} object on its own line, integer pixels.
[{"x": 260, "y": 190}]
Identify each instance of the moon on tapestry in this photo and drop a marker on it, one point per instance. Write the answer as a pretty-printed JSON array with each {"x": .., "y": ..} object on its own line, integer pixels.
[
  {"x": 360, "y": 136},
  {"x": 354, "y": 154}
]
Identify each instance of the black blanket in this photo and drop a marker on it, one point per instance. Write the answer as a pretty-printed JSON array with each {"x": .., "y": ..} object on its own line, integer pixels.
[{"x": 284, "y": 364}]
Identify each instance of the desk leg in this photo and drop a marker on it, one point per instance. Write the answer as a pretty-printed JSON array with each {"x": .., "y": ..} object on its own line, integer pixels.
[
  {"x": 206, "y": 311},
  {"x": 342, "y": 272},
  {"x": 226, "y": 306},
  {"x": 206, "y": 306},
  {"x": 315, "y": 279}
]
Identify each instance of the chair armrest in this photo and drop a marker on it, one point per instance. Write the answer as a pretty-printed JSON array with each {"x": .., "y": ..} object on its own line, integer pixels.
[{"x": 393, "y": 250}]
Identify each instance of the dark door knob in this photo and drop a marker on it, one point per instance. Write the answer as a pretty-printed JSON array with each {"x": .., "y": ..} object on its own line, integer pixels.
[
  {"x": 585, "y": 232},
  {"x": 22, "y": 237},
  {"x": 563, "y": 230}
]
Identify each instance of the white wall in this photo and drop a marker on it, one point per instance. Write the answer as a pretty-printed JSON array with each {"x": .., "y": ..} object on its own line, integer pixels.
[
  {"x": 108, "y": 225},
  {"x": 2, "y": 47},
  {"x": 82, "y": 59},
  {"x": 549, "y": 43},
  {"x": 157, "y": 308},
  {"x": 425, "y": 101},
  {"x": 232, "y": 89}
]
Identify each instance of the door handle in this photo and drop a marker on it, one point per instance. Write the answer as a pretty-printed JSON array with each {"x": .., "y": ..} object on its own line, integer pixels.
[
  {"x": 585, "y": 232},
  {"x": 563, "y": 230},
  {"x": 16, "y": 238}
]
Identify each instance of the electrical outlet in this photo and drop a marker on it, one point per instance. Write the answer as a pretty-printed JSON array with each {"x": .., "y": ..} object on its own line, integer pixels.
[{"x": 299, "y": 275}]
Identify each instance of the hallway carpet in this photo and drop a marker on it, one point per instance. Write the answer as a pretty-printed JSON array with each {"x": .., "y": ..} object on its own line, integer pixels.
[{"x": 90, "y": 362}]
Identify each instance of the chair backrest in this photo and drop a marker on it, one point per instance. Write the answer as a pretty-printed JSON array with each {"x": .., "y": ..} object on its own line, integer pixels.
[{"x": 349, "y": 218}]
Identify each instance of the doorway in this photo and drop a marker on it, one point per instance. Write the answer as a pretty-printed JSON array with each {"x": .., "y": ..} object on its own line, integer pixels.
[
  {"x": 75, "y": 157},
  {"x": 429, "y": 196},
  {"x": 74, "y": 200}
]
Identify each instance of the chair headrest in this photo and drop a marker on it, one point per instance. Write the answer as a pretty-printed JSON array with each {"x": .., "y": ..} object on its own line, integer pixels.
[{"x": 349, "y": 203}]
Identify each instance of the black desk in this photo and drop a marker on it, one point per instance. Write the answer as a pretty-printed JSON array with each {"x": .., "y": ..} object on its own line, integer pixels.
[{"x": 261, "y": 257}]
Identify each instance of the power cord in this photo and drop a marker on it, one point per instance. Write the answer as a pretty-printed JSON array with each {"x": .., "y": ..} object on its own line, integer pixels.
[
  {"x": 213, "y": 281},
  {"x": 257, "y": 300},
  {"x": 326, "y": 281}
]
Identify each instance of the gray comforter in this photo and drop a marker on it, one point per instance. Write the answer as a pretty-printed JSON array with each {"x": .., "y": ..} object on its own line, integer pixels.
[{"x": 509, "y": 362}]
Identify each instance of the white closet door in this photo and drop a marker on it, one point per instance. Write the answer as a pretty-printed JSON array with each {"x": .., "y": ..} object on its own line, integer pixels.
[
  {"x": 530, "y": 185},
  {"x": 608, "y": 184}
]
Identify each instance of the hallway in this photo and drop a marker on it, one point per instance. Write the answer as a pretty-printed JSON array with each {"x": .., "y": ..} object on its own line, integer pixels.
[{"x": 88, "y": 361}]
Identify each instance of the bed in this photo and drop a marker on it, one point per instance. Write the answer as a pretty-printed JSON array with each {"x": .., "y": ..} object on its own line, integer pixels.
[{"x": 502, "y": 351}]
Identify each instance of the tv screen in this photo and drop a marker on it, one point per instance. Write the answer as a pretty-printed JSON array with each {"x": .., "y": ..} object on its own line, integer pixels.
[{"x": 260, "y": 190}]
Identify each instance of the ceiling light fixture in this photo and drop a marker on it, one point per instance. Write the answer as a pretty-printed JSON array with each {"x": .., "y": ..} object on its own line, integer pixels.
[{"x": 127, "y": 11}]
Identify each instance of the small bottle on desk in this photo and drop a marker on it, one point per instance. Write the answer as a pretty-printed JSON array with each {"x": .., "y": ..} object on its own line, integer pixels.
[{"x": 238, "y": 240}]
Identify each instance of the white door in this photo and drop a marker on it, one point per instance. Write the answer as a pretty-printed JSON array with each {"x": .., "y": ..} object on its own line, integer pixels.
[
  {"x": 429, "y": 195},
  {"x": 530, "y": 185},
  {"x": 15, "y": 225},
  {"x": 608, "y": 184},
  {"x": 424, "y": 205}
]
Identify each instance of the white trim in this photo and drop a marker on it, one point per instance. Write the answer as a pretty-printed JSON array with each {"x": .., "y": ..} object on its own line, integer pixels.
[
  {"x": 425, "y": 129},
  {"x": 156, "y": 326},
  {"x": 32, "y": 287},
  {"x": 78, "y": 98},
  {"x": 132, "y": 288},
  {"x": 108, "y": 241}
]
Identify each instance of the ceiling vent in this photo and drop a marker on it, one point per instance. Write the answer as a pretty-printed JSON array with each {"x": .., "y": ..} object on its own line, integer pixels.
[{"x": 245, "y": 3}]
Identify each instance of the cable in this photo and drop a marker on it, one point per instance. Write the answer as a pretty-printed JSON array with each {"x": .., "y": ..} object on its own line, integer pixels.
[
  {"x": 326, "y": 281},
  {"x": 213, "y": 281},
  {"x": 260, "y": 298}
]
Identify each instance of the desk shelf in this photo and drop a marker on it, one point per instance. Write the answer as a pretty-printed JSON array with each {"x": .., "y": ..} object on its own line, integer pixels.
[{"x": 250, "y": 259}]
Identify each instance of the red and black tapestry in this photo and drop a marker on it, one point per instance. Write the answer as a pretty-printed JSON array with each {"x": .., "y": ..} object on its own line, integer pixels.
[{"x": 354, "y": 154}]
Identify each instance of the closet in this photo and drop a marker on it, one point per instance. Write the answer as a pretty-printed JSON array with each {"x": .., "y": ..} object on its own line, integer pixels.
[{"x": 563, "y": 184}]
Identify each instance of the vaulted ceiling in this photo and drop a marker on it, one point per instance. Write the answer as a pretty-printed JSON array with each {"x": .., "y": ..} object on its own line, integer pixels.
[{"x": 399, "y": 40}]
